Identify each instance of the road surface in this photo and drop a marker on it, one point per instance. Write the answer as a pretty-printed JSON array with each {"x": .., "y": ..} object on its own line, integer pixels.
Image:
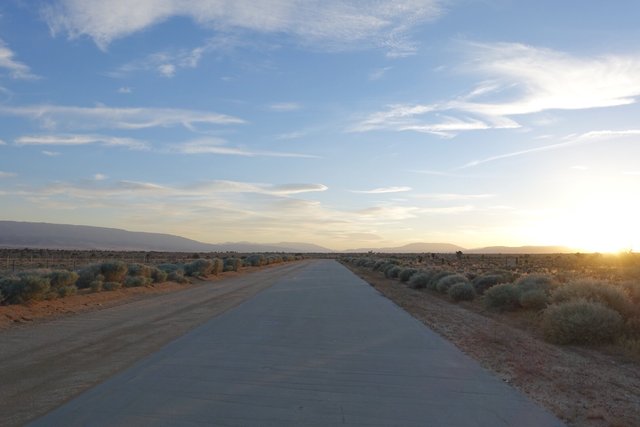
[{"x": 319, "y": 347}]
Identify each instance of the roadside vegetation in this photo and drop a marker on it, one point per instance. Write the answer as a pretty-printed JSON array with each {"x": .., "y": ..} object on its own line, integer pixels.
[
  {"x": 46, "y": 284},
  {"x": 585, "y": 306}
]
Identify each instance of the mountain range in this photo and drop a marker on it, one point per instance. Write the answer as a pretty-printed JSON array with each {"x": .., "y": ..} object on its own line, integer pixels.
[{"x": 17, "y": 234}]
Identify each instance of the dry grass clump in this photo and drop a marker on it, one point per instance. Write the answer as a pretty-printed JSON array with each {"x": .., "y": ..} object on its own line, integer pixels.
[
  {"x": 597, "y": 291},
  {"x": 406, "y": 274}
]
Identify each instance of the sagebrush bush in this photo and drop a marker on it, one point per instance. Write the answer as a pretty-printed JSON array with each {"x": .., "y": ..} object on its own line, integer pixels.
[
  {"x": 435, "y": 278},
  {"x": 199, "y": 267},
  {"x": 232, "y": 264},
  {"x": 96, "y": 285},
  {"x": 139, "y": 270},
  {"x": 502, "y": 297},
  {"x": 177, "y": 276},
  {"x": 446, "y": 282},
  {"x": 580, "y": 321},
  {"x": 168, "y": 267},
  {"x": 65, "y": 291},
  {"x": 218, "y": 266},
  {"x": 87, "y": 275},
  {"x": 597, "y": 291},
  {"x": 406, "y": 274},
  {"x": 535, "y": 282},
  {"x": 25, "y": 288},
  {"x": 486, "y": 281},
  {"x": 632, "y": 289},
  {"x": 62, "y": 278},
  {"x": 137, "y": 281},
  {"x": 393, "y": 272},
  {"x": 534, "y": 299},
  {"x": 111, "y": 286},
  {"x": 462, "y": 291},
  {"x": 419, "y": 280},
  {"x": 113, "y": 271},
  {"x": 256, "y": 260},
  {"x": 158, "y": 276}
]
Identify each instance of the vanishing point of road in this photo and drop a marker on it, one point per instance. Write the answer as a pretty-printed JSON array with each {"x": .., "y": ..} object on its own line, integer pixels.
[{"x": 319, "y": 347}]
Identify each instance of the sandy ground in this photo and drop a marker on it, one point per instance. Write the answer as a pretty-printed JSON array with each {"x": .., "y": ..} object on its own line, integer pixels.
[
  {"x": 51, "y": 351},
  {"x": 583, "y": 387}
]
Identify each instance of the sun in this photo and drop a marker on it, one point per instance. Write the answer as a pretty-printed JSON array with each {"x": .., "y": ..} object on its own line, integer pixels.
[{"x": 606, "y": 225}]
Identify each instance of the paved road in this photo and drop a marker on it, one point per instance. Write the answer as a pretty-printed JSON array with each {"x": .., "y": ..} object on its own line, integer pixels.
[{"x": 320, "y": 347}]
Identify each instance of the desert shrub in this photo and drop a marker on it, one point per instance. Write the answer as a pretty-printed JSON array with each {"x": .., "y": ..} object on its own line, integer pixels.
[
  {"x": 87, "y": 275},
  {"x": 535, "y": 282},
  {"x": 177, "y": 276},
  {"x": 96, "y": 285},
  {"x": 462, "y": 291},
  {"x": 597, "y": 291},
  {"x": 158, "y": 276},
  {"x": 632, "y": 289},
  {"x": 111, "y": 286},
  {"x": 406, "y": 274},
  {"x": 137, "y": 281},
  {"x": 168, "y": 268},
  {"x": 435, "y": 278},
  {"x": 256, "y": 260},
  {"x": 199, "y": 267},
  {"x": 580, "y": 321},
  {"x": 393, "y": 272},
  {"x": 534, "y": 299},
  {"x": 419, "y": 280},
  {"x": 502, "y": 297},
  {"x": 218, "y": 266},
  {"x": 113, "y": 271},
  {"x": 62, "y": 278},
  {"x": 232, "y": 264},
  {"x": 139, "y": 270},
  {"x": 446, "y": 282},
  {"x": 486, "y": 281},
  {"x": 65, "y": 291},
  {"x": 28, "y": 287}
]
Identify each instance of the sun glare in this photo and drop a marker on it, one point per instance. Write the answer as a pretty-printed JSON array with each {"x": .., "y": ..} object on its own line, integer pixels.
[{"x": 596, "y": 225}]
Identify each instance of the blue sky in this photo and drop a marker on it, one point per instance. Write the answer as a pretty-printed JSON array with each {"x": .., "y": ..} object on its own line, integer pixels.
[{"x": 346, "y": 124}]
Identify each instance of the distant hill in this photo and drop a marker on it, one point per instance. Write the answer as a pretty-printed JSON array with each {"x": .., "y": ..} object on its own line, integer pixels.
[
  {"x": 15, "y": 234},
  {"x": 450, "y": 248},
  {"x": 522, "y": 250},
  {"x": 414, "y": 248}
]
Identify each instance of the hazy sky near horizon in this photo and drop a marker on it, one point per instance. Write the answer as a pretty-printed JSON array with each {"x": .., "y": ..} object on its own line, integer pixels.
[{"x": 343, "y": 123}]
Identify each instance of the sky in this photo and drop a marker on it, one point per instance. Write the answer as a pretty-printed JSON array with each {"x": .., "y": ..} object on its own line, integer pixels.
[{"x": 349, "y": 124}]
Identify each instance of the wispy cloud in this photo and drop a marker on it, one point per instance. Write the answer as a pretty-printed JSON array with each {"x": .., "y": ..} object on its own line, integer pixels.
[
  {"x": 285, "y": 106},
  {"x": 453, "y": 196},
  {"x": 220, "y": 146},
  {"x": 6, "y": 174},
  {"x": 378, "y": 73},
  {"x": 585, "y": 138},
  {"x": 54, "y": 116},
  {"x": 125, "y": 90},
  {"x": 2, "y": 142},
  {"x": 50, "y": 153},
  {"x": 17, "y": 69},
  {"x": 75, "y": 139},
  {"x": 330, "y": 24},
  {"x": 516, "y": 79},
  {"x": 100, "y": 177},
  {"x": 383, "y": 190}
]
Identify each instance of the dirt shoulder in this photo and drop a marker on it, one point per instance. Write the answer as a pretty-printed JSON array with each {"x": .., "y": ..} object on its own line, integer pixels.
[
  {"x": 69, "y": 348},
  {"x": 584, "y": 387}
]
